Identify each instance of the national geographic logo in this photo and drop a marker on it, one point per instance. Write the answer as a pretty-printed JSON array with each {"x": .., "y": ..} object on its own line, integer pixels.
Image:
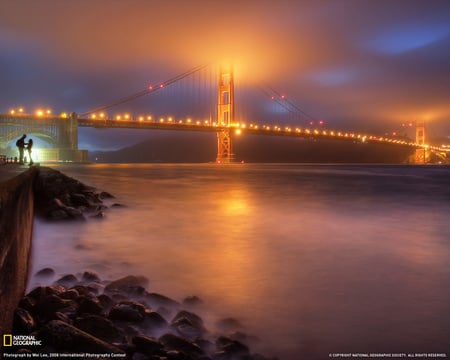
[
  {"x": 7, "y": 340},
  {"x": 20, "y": 340}
]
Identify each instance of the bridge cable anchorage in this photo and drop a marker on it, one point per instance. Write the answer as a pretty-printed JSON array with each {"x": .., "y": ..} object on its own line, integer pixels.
[
  {"x": 285, "y": 103},
  {"x": 146, "y": 91}
]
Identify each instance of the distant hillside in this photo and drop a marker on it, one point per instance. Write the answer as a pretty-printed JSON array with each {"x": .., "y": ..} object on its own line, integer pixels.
[{"x": 201, "y": 148}]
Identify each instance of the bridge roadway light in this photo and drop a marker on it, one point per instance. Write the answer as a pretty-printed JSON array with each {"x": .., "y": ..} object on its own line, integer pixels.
[
  {"x": 12, "y": 112},
  {"x": 39, "y": 113}
]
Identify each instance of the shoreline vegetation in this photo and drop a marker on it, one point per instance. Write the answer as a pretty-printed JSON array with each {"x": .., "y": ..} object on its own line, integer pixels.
[{"x": 83, "y": 314}]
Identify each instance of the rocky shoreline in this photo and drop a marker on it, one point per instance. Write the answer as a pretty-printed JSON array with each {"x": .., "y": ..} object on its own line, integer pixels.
[
  {"x": 85, "y": 316},
  {"x": 60, "y": 197}
]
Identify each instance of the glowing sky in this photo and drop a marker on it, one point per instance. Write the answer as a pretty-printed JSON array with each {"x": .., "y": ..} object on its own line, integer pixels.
[{"x": 369, "y": 65}]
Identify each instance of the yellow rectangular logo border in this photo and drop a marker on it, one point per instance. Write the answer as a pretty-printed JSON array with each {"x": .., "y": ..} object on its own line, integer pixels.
[{"x": 5, "y": 340}]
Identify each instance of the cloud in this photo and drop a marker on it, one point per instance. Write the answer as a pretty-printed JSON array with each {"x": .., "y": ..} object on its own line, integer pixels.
[
  {"x": 370, "y": 64},
  {"x": 398, "y": 40}
]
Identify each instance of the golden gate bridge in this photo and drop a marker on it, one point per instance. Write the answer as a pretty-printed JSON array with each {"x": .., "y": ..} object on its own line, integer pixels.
[{"x": 215, "y": 111}]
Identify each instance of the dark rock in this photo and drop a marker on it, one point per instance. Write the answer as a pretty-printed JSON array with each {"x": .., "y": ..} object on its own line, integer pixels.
[
  {"x": 64, "y": 317},
  {"x": 57, "y": 214},
  {"x": 130, "y": 331},
  {"x": 99, "y": 327},
  {"x": 60, "y": 211},
  {"x": 207, "y": 346},
  {"x": 186, "y": 329},
  {"x": 117, "y": 205},
  {"x": 23, "y": 322},
  {"x": 40, "y": 292},
  {"x": 79, "y": 200},
  {"x": 155, "y": 322},
  {"x": 123, "y": 284},
  {"x": 59, "y": 197},
  {"x": 178, "y": 355},
  {"x": 147, "y": 345},
  {"x": 262, "y": 357},
  {"x": 173, "y": 342},
  {"x": 65, "y": 337},
  {"x": 141, "y": 356},
  {"x": 221, "y": 341},
  {"x": 82, "y": 289},
  {"x": 106, "y": 302},
  {"x": 231, "y": 347},
  {"x": 46, "y": 272},
  {"x": 93, "y": 197},
  {"x": 89, "y": 305},
  {"x": 49, "y": 305},
  {"x": 106, "y": 195},
  {"x": 193, "y": 319},
  {"x": 67, "y": 280},
  {"x": 24, "y": 351},
  {"x": 244, "y": 338},
  {"x": 90, "y": 276},
  {"x": 127, "y": 311},
  {"x": 27, "y": 303},
  {"x": 70, "y": 294},
  {"x": 157, "y": 300}
]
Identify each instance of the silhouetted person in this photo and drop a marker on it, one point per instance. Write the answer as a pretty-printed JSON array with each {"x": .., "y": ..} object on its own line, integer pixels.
[
  {"x": 21, "y": 146},
  {"x": 29, "y": 148}
]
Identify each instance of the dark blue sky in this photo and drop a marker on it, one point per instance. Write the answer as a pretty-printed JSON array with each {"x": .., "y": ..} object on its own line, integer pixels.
[{"x": 366, "y": 65}]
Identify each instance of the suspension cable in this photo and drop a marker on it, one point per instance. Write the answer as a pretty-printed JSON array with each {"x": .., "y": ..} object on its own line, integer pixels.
[{"x": 145, "y": 91}]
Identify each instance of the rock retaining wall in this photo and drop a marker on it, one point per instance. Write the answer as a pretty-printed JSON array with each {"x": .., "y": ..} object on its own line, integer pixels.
[{"x": 16, "y": 228}]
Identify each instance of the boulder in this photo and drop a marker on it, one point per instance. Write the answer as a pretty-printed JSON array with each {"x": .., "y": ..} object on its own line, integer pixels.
[
  {"x": 65, "y": 337},
  {"x": 127, "y": 311},
  {"x": 99, "y": 327},
  {"x": 173, "y": 342},
  {"x": 23, "y": 322},
  {"x": 45, "y": 273},
  {"x": 89, "y": 276},
  {"x": 154, "y": 322},
  {"x": 147, "y": 345},
  {"x": 67, "y": 280},
  {"x": 123, "y": 284},
  {"x": 158, "y": 300},
  {"x": 89, "y": 305}
]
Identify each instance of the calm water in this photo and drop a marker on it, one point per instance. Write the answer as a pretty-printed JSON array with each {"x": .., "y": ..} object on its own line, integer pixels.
[{"x": 312, "y": 259}]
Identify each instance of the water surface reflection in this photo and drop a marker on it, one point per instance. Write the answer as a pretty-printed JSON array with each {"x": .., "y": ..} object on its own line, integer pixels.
[{"x": 313, "y": 259}]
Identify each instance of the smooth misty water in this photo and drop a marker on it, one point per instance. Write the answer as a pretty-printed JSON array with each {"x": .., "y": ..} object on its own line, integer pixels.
[{"x": 312, "y": 259}]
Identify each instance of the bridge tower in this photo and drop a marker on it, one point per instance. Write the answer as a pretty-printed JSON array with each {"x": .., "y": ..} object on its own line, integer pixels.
[
  {"x": 421, "y": 154},
  {"x": 225, "y": 114}
]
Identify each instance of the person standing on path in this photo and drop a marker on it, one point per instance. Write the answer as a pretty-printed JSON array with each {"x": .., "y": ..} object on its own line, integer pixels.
[
  {"x": 21, "y": 146},
  {"x": 29, "y": 148}
]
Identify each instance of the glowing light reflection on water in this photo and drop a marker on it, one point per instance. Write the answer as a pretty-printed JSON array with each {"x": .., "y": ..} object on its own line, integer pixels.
[{"x": 313, "y": 259}]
